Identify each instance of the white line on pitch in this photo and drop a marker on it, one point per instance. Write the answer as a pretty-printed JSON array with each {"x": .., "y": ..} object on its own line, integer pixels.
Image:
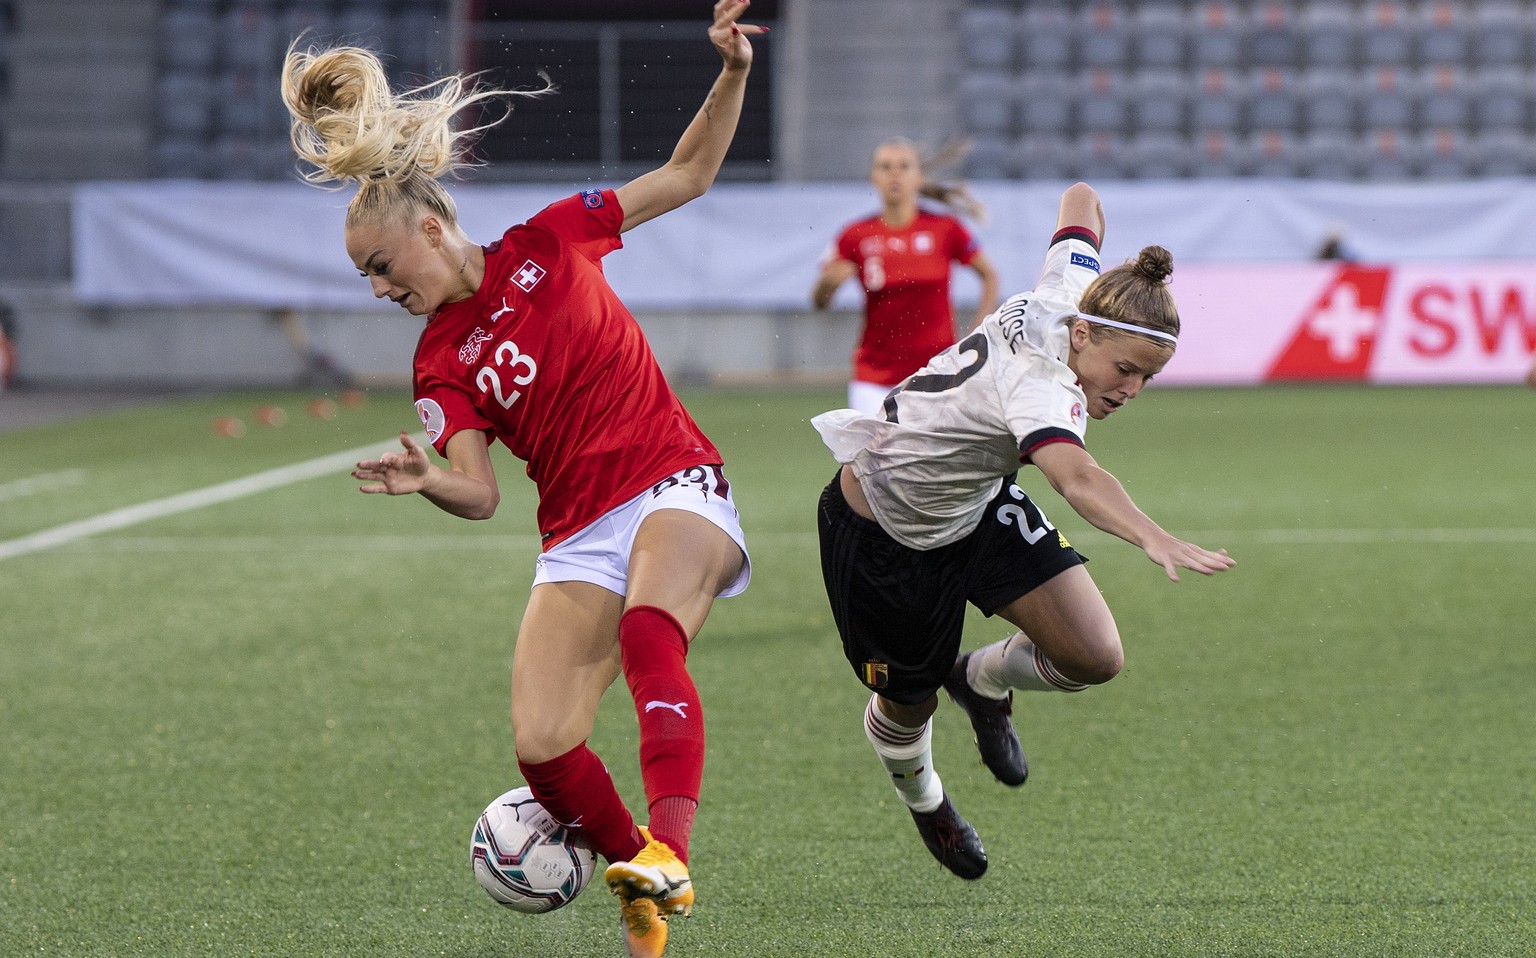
[
  {"x": 187, "y": 501},
  {"x": 43, "y": 482}
]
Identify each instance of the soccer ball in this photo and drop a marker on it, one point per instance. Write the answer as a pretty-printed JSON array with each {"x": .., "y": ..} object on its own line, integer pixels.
[{"x": 525, "y": 859}]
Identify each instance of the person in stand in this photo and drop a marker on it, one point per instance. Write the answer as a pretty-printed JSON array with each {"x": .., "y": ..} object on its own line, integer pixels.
[
  {"x": 925, "y": 514},
  {"x": 902, "y": 257},
  {"x": 525, "y": 342}
]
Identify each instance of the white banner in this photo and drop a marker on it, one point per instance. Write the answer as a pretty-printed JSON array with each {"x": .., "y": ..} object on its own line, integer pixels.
[
  {"x": 1455, "y": 302},
  {"x": 756, "y": 246}
]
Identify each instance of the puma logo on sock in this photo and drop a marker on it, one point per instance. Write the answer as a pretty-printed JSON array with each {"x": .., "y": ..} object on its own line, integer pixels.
[{"x": 678, "y": 708}]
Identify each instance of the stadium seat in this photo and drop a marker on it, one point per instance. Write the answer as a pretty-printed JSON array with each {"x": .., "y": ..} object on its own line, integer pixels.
[
  {"x": 189, "y": 38},
  {"x": 1097, "y": 156},
  {"x": 1385, "y": 156},
  {"x": 1044, "y": 158},
  {"x": 1442, "y": 154},
  {"x": 238, "y": 101},
  {"x": 1216, "y": 38},
  {"x": 1275, "y": 153},
  {"x": 1216, "y": 154},
  {"x": 1047, "y": 102},
  {"x": 990, "y": 158},
  {"x": 1157, "y": 155},
  {"x": 1220, "y": 102},
  {"x": 1159, "y": 36},
  {"x": 1386, "y": 33},
  {"x": 1272, "y": 99},
  {"x": 1387, "y": 101},
  {"x": 175, "y": 157},
  {"x": 313, "y": 23},
  {"x": 1101, "y": 101},
  {"x": 1159, "y": 100},
  {"x": 1330, "y": 154},
  {"x": 1103, "y": 36},
  {"x": 423, "y": 40},
  {"x": 1328, "y": 35},
  {"x": 237, "y": 156},
  {"x": 1045, "y": 37},
  {"x": 987, "y": 37},
  {"x": 1503, "y": 152},
  {"x": 184, "y": 100},
  {"x": 250, "y": 36},
  {"x": 1500, "y": 33},
  {"x": 365, "y": 24},
  {"x": 1442, "y": 31},
  {"x": 1272, "y": 34},
  {"x": 987, "y": 102},
  {"x": 1330, "y": 98},
  {"x": 1444, "y": 95},
  {"x": 1502, "y": 98}
]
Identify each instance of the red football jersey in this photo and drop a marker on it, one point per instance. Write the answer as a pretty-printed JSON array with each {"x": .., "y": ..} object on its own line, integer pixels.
[
  {"x": 908, "y": 318},
  {"x": 545, "y": 358}
]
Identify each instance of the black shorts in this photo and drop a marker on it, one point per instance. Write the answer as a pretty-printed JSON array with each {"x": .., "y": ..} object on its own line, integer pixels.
[{"x": 901, "y": 611}]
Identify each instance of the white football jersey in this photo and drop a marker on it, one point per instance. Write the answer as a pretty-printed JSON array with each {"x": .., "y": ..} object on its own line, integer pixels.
[{"x": 950, "y": 433}]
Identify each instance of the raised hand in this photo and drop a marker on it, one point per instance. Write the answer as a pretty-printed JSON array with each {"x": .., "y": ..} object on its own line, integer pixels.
[
  {"x": 730, "y": 37},
  {"x": 1173, "y": 554},
  {"x": 395, "y": 473}
]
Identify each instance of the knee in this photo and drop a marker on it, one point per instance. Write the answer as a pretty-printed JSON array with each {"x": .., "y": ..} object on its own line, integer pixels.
[
  {"x": 1094, "y": 662},
  {"x": 539, "y": 738}
]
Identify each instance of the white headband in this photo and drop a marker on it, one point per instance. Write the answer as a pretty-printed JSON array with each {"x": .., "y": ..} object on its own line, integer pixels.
[{"x": 1154, "y": 333}]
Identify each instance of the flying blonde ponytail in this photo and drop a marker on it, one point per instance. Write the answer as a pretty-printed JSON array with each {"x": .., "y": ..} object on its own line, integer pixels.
[{"x": 350, "y": 127}]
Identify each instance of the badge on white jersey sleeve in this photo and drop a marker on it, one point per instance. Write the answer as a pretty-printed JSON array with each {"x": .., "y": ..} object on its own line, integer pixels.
[{"x": 432, "y": 418}]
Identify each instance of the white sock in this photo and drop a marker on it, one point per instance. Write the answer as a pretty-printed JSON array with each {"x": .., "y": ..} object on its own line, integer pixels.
[
  {"x": 1015, "y": 663},
  {"x": 907, "y": 754}
]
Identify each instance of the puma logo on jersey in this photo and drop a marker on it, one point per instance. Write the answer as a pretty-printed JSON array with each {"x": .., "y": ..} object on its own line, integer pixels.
[
  {"x": 502, "y": 311},
  {"x": 678, "y": 708}
]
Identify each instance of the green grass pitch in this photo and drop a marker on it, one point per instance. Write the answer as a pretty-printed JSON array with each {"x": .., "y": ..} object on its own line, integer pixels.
[{"x": 264, "y": 727}]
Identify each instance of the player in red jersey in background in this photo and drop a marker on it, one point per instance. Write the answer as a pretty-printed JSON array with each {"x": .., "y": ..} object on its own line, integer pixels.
[
  {"x": 525, "y": 342},
  {"x": 902, "y": 257}
]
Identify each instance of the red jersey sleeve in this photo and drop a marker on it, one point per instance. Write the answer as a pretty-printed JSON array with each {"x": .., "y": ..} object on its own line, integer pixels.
[
  {"x": 444, "y": 410},
  {"x": 847, "y": 246},
  {"x": 962, "y": 247},
  {"x": 589, "y": 222}
]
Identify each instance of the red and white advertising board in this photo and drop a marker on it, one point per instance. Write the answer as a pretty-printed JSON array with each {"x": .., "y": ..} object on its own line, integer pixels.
[{"x": 1349, "y": 322}]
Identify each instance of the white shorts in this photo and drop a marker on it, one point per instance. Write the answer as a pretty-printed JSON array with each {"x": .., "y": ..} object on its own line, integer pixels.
[
  {"x": 599, "y": 554},
  {"x": 867, "y": 397}
]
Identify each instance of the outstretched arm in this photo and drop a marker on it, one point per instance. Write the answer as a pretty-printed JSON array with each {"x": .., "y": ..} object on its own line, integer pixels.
[
  {"x": 834, "y": 273},
  {"x": 988, "y": 274},
  {"x": 1080, "y": 206},
  {"x": 466, "y": 489},
  {"x": 1098, "y": 497},
  {"x": 699, "y": 153}
]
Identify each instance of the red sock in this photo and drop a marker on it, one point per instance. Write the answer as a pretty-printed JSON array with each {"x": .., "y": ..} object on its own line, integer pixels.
[
  {"x": 577, "y": 790},
  {"x": 655, "y": 647}
]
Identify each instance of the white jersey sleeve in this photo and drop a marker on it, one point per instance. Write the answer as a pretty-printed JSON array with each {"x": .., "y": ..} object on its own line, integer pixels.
[{"x": 947, "y": 437}]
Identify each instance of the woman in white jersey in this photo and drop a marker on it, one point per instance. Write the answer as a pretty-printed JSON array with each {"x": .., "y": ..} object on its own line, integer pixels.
[{"x": 924, "y": 515}]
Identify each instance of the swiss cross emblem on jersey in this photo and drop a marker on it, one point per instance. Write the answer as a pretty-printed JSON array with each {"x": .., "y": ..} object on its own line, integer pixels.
[
  {"x": 922, "y": 242},
  {"x": 528, "y": 275}
]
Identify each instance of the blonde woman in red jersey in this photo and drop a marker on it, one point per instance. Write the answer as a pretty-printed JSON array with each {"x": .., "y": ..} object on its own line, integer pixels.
[
  {"x": 525, "y": 342},
  {"x": 902, "y": 256}
]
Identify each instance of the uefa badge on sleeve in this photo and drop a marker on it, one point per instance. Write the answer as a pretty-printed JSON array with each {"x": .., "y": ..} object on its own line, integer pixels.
[{"x": 592, "y": 199}]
